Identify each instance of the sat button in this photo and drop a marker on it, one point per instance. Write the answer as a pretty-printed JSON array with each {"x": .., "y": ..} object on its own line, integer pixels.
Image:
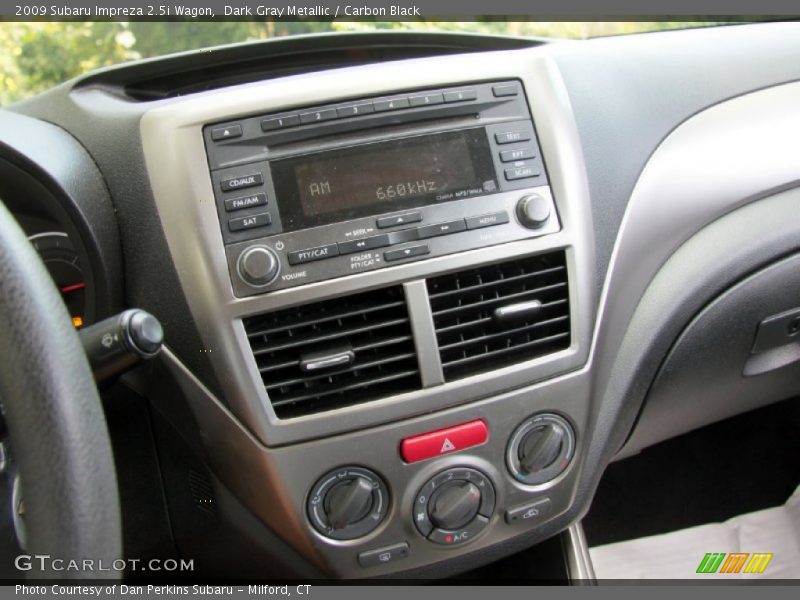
[{"x": 444, "y": 441}]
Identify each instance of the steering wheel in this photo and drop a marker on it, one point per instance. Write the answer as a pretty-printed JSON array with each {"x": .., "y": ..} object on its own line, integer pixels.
[{"x": 55, "y": 421}]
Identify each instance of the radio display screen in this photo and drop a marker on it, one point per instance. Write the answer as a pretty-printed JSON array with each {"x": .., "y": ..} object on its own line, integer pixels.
[{"x": 374, "y": 178}]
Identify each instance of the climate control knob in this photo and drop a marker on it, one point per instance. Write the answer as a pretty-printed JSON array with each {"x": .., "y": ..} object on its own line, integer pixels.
[
  {"x": 453, "y": 507},
  {"x": 540, "y": 449},
  {"x": 455, "y": 504},
  {"x": 258, "y": 266},
  {"x": 533, "y": 211},
  {"x": 348, "y": 503}
]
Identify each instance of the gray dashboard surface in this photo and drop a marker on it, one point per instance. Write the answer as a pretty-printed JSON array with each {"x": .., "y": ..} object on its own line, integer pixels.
[{"x": 628, "y": 93}]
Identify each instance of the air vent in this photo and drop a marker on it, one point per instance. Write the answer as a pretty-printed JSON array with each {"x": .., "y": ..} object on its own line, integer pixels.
[
  {"x": 335, "y": 353},
  {"x": 500, "y": 314}
]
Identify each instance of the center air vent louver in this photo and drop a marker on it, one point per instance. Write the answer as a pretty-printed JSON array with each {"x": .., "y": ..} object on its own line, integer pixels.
[
  {"x": 335, "y": 353},
  {"x": 498, "y": 315}
]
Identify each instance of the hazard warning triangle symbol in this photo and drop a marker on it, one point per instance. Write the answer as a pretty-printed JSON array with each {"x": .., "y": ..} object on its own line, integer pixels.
[{"x": 448, "y": 446}]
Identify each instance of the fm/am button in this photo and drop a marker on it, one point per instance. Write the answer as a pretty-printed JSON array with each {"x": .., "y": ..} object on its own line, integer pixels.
[{"x": 299, "y": 257}]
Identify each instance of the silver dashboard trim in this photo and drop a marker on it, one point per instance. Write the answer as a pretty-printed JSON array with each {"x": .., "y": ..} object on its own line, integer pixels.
[
  {"x": 580, "y": 568},
  {"x": 175, "y": 158}
]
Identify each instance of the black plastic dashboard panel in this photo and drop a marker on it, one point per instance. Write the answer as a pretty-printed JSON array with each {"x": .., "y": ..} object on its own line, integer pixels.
[
  {"x": 629, "y": 93},
  {"x": 44, "y": 171},
  {"x": 193, "y": 72},
  {"x": 699, "y": 384}
]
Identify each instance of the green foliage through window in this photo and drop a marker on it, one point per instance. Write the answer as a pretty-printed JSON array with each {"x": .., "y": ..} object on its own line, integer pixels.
[{"x": 37, "y": 56}]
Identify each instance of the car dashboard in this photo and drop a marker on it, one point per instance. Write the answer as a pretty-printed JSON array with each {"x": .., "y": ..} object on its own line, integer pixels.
[{"x": 414, "y": 307}]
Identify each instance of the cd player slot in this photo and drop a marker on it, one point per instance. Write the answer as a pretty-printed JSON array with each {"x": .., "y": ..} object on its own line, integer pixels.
[{"x": 368, "y": 136}]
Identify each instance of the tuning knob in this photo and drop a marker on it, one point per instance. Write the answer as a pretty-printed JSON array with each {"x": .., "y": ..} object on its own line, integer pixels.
[
  {"x": 540, "y": 449},
  {"x": 455, "y": 504},
  {"x": 348, "y": 503},
  {"x": 533, "y": 211},
  {"x": 258, "y": 266}
]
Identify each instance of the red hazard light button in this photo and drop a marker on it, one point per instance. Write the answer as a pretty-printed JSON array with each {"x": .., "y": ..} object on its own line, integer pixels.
[{"x": 444, "y": 441}]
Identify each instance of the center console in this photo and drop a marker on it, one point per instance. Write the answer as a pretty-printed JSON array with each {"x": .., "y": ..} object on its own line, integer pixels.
[
  {"x": 391, "y": 270},
  {"x": 327, "y": 191}
]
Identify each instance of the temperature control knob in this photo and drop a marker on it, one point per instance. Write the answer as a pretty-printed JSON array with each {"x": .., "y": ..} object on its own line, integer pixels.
[
  {"x": 533, "y": 211},
  {"x": 258, "y": 266},
  {"x": 540, "y": 449},
  {"x": 347, "y": 503}
]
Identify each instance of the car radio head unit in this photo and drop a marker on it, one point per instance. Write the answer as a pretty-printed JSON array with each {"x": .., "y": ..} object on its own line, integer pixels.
[{"x": 328, "y": 191}]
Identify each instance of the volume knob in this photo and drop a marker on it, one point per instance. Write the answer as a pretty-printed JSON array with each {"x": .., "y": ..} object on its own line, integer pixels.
[
  {"x": 258, "y": 265},
  {"x": 533, "y": 211}
]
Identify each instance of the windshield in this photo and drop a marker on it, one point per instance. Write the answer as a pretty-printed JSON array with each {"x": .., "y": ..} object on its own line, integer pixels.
[{"x": 27, "y": 49}]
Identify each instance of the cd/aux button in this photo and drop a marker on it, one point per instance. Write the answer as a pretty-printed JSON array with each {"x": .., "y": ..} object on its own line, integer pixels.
[
  {"x": 238, "y": 183},
  {"x": 298, "y": 257}
]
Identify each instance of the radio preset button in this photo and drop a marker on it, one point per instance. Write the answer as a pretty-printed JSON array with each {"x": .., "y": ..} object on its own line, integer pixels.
[
  {"x": 250, "y": 201},
  {"x": 226, "y": 133},
  {"x": 390, "y": 104},
  {"x": 522, "y": 171},
  {"x": 369, "y": 243},
  {"x": 395, "y": 220},
  {"x": 242, "y": 223},
  {"x": 437, "y": 229},
  {"x": 426, "y": 100},
  {"x": 490, "y": 220},
  {"x": 298, "y": 257},
  {"x": 512, "y": 155},
  {"x": 504, "y": 89},
  {"x": 460, "y": 95},
  {"x": 315, "y": 116},
  {"x": 355, "y": 110},
  {"x": 280, "y": 122},
  {"x": 238, "y": 183},
  {"x": 410, "y": 252},
  {"x": 510, "y": 137}
]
